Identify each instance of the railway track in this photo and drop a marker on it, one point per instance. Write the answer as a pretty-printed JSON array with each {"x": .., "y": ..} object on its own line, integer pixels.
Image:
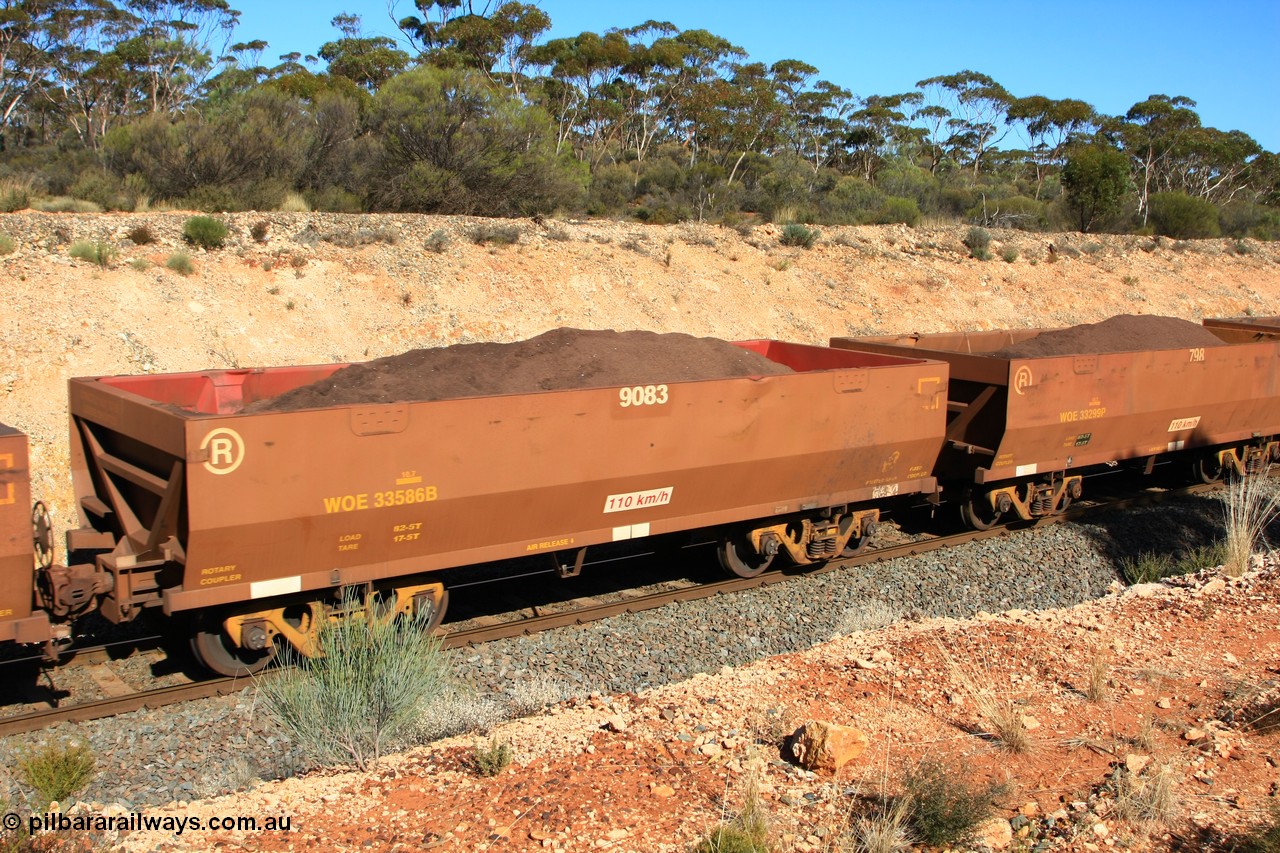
[{"x": 531, "y": 619}]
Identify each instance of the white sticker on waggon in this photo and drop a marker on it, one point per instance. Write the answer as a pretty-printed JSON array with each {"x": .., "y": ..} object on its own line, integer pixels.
[
  {"x": 1184, "y": 423},
  {"x": 638, "y": 500}
]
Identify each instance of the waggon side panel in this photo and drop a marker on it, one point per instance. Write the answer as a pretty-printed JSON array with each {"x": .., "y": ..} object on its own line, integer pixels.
[
  {"x": 377, "y": 491},
  {"x": 279, "y": 501},
  {"x": 16, "y": 562}
]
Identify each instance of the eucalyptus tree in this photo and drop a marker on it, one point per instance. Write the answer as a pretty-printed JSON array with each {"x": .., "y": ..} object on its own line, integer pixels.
[
  {"x": 1150, "y": 132},
  {"x": 976, "y": 105},
  {"x": 169, "y": 54},
  {"x": 497, "y": 41},
  {"x": 368, "y": 61},
  {"x": 880, "y": 127},
  {"x": 1050, "y": 125}
]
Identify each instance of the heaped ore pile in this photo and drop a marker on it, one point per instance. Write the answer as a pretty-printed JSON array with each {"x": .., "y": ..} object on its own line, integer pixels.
[
  {"x": 557, "y": 360},
  {"x": 1125, "y": 333}
]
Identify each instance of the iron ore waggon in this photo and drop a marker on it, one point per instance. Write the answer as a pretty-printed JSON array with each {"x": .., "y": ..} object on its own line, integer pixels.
[
  {"x": 245, "y": 526},
  {"x": 1022, "y": 430}
]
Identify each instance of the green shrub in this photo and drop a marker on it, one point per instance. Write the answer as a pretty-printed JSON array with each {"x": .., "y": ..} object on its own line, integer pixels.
[
  {"x": 140, "y": 264},
  {"x": 502, "y": 235},
  {"x": 943, "y": 809},
  {"x": 1180, "y": 216},
  {"x": 335, "y": 200},
  {"x": 66, "y": 204},
  {"x": 437, "y": 241},
  {"x": 492, "y": 758},
  {"x": 978, "y": 242},
  {"x": 364, "y": 692},
  {"x": 898, "y": 210},
  {"x": 1009, "y": 254},
  {"x": 57, "y": 772},
  {"x": 7, "y": 245},
  {"x": 94, "y": 251},
  {"x": 102, "y": 188},
  {"x": 1147, "y": 567},
  {"x": 205, "y": 232},
  {"x": 141, "y": 235},
  {"x": 795, "y": 234},
  {"x": 180, "y": 262}
]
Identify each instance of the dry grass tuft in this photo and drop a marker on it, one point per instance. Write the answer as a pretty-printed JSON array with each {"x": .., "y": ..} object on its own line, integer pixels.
[
  {"x": 1249, "y": 506},
  {"x": 1002, "y": 715},
  {"x": 1099, "y": 686},
  {"x": 1148, "y": 796}
]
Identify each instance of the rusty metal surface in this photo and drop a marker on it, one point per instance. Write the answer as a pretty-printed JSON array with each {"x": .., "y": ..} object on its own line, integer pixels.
[
  {"x": 16, "y": 561},
  {"x": 281, "y": 502},
  {"x": 1013, "y": 417},
  {"x": 1237, "y": 330}
]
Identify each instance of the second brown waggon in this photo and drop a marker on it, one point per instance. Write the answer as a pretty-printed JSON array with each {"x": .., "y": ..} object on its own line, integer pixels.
[{"x": 1021, "y": 429}]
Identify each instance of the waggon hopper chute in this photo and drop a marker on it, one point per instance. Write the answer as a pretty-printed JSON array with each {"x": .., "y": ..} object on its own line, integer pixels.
[{"x": 254, "y": 523}]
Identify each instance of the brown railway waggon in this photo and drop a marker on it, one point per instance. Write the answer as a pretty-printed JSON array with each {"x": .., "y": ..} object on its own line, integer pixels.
[
  {"x": 247, "y": 526},
  {"x": 250, "y": 529},
  {"x": 1021, "y": 430}
]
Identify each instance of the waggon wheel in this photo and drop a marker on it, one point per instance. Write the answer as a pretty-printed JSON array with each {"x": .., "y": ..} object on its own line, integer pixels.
[
  {"x": 856, "y": 544},
  {"x": 739, "y": 559},
  {"x": 1208, "y": 470},
  {"x": 214, "y": 649},
  {"x": 977, "y": 512},
  {"x": 41, "y": 536}
]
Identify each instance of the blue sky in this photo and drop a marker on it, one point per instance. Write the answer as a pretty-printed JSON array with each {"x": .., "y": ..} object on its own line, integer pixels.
[{"x": 1110, "y": 53}]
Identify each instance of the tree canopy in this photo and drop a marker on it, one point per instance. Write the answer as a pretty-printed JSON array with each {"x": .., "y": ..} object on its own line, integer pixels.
[{"x": 473, "y": 109}]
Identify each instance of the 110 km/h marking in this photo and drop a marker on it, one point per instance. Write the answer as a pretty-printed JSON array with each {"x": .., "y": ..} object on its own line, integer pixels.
[{"x": 638, "y": 500}]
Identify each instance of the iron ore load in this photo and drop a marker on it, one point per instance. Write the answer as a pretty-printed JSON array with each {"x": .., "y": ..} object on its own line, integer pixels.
[{"x": 250, "y": 505}]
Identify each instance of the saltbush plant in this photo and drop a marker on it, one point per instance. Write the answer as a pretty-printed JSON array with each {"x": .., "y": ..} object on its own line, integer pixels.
[
  {"x": 205, "y": 232},
  {"x": 502, "y": 235},
  {"x": 7, "y": 245},
  {"x": 437, "y": 241},
  {"x": 94, "y": 251},
  {"x": 978, "y": 242},
  {"x": 795, "y": 234},
  {"x": 180, "y": 262},
  {"x": 942, "y": 808},
  {"x": 363, "y": 693}
]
